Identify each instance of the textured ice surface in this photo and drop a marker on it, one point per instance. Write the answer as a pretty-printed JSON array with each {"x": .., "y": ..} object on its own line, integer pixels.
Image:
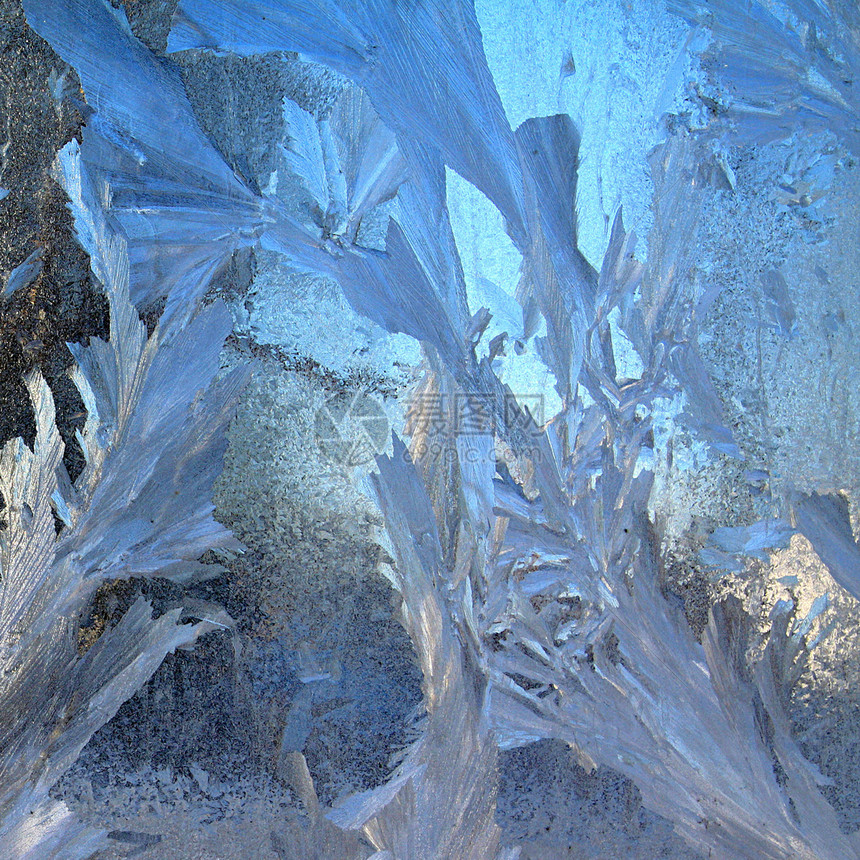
[
  {"x": 308, "y": 316},
  {"x": 417, "y": 224}
]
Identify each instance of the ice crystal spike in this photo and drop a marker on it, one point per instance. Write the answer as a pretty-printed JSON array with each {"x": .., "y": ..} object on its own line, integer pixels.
[
  {"x": 393, "y": 289},
  {"x": 349, "y": 162},
  {"x": 780, "y": 305},
  {"x": 153, "y": 442},
  {"x": 783, "y": 68},
  {"x": 555, "y": 272},
  {"x": 728, "y": 544},
  {"x": 588, "y": 651},
  {"x": 180, "y": 206},
  {"x": 575, "y": 627},
  {"x": 393, "y": 51},
  {"x": 51, "y": 832},
  {"x": 440, "y": 802},
  {"x": 49, "y": 687},
  {"x": 24, "y": 274},
  {"x": 371, "y": 162},
  {"x": 825, "y": 522}
]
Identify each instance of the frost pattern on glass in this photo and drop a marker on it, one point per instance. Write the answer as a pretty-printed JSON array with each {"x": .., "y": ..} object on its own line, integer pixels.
[{"x": 532, "y": 588}]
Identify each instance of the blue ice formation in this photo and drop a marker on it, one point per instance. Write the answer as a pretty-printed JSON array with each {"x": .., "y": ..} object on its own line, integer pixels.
[{"x": 531, "y": 587}]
